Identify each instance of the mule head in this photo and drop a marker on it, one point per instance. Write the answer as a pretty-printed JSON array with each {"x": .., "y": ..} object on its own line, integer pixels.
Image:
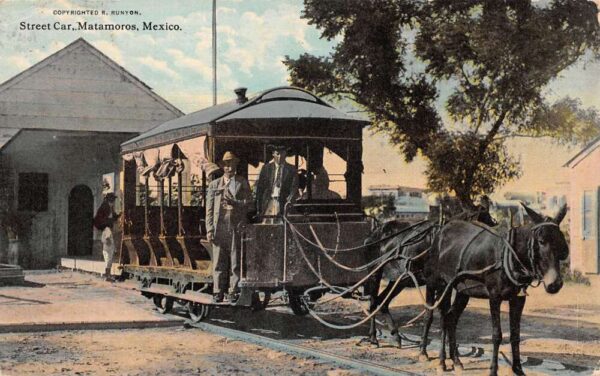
[{"x": 549, "y": 247}]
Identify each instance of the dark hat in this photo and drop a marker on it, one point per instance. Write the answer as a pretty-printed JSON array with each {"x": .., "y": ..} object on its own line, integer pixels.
[
  {"x": 279, "y": 148},
  {"x": 110, "y": 197}
]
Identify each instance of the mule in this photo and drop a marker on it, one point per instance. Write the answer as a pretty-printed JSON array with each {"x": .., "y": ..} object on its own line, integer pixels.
[
  {"x": 479, "y": 263},
  {"x": 410, "y": 242}
]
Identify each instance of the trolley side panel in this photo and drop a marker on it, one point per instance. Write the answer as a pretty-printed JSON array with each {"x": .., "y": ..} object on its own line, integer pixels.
[{"x": 264, "y": 254}]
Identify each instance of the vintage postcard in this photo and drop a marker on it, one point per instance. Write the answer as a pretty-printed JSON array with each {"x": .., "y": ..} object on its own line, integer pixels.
[{"x": 299, "y": 187}]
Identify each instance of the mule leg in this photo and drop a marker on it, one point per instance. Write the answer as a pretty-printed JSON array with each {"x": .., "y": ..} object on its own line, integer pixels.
[
  {"x": 394, "y": 330},
  {"x": 458, "y": 307},
  {"x": 444, "y": 319},
  {"x": 428, "y": 319},
  {"x": 374, "y": 301},
  {"x": 516, "y": 304},
  {"x": 496, "y": 333}
]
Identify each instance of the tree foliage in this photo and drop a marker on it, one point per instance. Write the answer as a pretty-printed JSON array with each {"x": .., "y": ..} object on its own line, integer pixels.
[{"x": 495, "y": 56}]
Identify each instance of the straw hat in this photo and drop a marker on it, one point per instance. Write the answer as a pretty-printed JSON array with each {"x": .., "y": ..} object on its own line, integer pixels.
[
  {"x": 210, "y": 168},
  {"x": 229, "y": 156}
]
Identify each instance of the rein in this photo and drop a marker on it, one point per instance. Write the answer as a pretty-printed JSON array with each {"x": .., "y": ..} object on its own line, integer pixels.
[{"x": 533, "y": 274}]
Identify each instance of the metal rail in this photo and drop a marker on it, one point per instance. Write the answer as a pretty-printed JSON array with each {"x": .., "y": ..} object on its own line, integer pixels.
[{"x": 300, "y": 350}]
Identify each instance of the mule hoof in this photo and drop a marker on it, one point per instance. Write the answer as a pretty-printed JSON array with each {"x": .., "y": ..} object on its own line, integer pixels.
[
  {"x": 423, "y": 357},
  {"x": 442, "y": 367},
  {"x": 518, "y": 371},
  {"x": 458, "y": 365},
  {"x": 368, "y": 341}
]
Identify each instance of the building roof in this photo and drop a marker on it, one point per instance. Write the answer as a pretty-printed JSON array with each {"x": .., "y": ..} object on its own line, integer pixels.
[
  {"x": 6, "y": 135},
  {"x": 387, "y": 187},
  {"x": 80, "y": 88},
  {"x": 280, "y": 103},
  {"x": 583, "y": 153}
]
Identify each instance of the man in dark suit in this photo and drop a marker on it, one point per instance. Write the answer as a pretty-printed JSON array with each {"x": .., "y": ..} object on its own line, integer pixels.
[
  {"x": 277, "y": 185},
  {"x": 227, "y": 202}
]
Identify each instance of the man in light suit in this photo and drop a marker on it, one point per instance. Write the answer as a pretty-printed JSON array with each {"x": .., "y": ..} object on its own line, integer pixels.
[
  {"x": 227, "y": 202},
  {"x": 277, "y": 185}
]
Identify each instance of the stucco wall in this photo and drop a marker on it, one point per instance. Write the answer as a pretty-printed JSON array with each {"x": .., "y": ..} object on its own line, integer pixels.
[
  {"x": 585, "y": 176},
  {"x": 69, "y": 159}
]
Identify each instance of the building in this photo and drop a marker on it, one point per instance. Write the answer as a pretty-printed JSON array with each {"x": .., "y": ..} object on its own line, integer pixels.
[
  {"x": 410, "y": 203},
  {"x": 584, "y": 231},
  {"x": 61, "y": 124}
]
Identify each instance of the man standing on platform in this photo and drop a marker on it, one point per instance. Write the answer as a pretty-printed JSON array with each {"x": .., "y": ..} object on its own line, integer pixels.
[
  {"x": 277, "y": 185},
  {"x": 227, "y": 202},
  {"x": 104, "y": 220}
]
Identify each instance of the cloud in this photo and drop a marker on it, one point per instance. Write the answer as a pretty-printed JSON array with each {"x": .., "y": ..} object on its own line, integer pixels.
[
  {"x": 196, "y": 65},
  {"x": 257, "y": 39},
  {"x": 158, "y": 65},
  {"x": 191, "y": 20},
  {"x": 204, "y": 46},
  {"x": 225, "y": 10},
  {"x": 110, "y": 50},
  {"x": 19, "y": 61}
]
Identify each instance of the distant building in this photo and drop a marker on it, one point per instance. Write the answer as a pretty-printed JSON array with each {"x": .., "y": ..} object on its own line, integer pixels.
[
  {"x": 556, "y": 197},
  {"x": 61, "y": 125},
  {"x": 534, "y": 200},
  {"x": 584, "y": 232},
  {"x": 547, "y": 202},
  {"x": 410, "y": 203}
]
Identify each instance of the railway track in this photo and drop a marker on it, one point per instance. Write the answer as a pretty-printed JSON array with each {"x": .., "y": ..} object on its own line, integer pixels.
[
  {"x": 278, "y": 330},
  {"x": 300, "y": 350}
]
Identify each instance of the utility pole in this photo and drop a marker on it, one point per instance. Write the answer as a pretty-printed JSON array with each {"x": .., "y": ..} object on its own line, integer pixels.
[{"x": 214, "y": 50}]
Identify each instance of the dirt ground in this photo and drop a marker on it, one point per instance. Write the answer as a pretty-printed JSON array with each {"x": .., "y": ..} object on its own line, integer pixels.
[
  {"x": 561, "y": 335},
  {"x": 165, "y": 351}
]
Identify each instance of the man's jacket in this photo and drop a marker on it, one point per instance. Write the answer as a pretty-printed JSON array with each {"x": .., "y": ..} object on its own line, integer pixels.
[
  {"x": 264, "y": 187},
  {"x": 216, "y": 190}
]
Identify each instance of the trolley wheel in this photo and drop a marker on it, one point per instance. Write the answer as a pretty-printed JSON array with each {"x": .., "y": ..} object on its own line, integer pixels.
[
  {"x": 197, "y": 311},
  {"x": 164, "y": 304},
  {"x": 257, "y": 304},
  {"x": 297, "y": 305}
]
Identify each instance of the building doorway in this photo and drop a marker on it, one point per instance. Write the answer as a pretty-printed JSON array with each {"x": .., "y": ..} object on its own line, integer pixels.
[{"x": 81, "y": 215}]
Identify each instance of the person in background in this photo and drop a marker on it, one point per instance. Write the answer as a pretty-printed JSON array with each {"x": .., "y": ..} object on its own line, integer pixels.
[
  {"x": 277, "y": 185},
  {"x": 483, "y": 211},
  {"x": 227, "y": 202},
  {"x": 320, "y": 186},
  {"x": 104, "y": 221}
]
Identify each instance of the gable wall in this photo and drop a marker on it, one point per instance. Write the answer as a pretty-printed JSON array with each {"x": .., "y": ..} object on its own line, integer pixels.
[
  {"x": 80, "y": 91},
  {"x": 585, "y": 176}
]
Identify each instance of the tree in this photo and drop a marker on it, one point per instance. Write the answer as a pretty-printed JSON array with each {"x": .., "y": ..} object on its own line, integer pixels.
[
  {"x": 381, "y": 207},
  {"x": 495, "y": 56}
]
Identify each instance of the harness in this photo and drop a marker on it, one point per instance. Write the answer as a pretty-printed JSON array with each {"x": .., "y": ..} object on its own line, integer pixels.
[
  {"x": 515, "y": 270},
  {"x": 532, "y": 274}
]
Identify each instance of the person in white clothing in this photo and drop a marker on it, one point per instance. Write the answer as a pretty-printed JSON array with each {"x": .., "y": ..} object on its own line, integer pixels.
[{"x": 104, "y": 220}]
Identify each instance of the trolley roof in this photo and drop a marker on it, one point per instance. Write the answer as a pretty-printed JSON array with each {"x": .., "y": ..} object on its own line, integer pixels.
[{"x": 275, "y": 106}]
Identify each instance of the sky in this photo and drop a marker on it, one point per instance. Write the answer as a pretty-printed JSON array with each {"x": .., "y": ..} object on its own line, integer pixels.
[{"x": 253, "y": 38}]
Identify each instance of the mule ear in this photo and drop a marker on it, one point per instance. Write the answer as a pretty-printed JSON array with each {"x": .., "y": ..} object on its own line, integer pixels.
[
  {"x": 561, "y": 214},
  {"x": 532, "y": 214}
]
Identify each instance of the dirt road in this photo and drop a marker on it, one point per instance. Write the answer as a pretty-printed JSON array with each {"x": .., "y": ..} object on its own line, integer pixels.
[
  {"x": 561, "y": 336},
  {"x": 144, "y": 352}
]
